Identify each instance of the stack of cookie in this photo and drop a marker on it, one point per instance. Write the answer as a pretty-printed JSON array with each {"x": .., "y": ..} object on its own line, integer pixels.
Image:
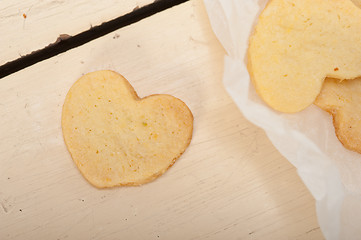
[{"x": 309, "y": 51}]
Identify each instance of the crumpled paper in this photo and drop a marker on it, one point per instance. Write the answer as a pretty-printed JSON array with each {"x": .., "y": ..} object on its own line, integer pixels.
[{"x": 307, "y": 139}]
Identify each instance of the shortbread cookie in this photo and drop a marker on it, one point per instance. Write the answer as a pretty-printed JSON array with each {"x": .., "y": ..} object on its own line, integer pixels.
[
  {"x": 115, "y": 138},
  {"x": 342, "y": 99},
  {"x": 296, "y": 44}
]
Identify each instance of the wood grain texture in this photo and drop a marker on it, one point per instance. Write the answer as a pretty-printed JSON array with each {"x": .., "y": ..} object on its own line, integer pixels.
[
  {"x": 231, "y": 183},
  {"x": 33, "y": 24}
]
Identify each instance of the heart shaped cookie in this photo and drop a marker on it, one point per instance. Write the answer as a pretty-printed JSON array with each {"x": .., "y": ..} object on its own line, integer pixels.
[
  {"x": 296, "y": 44},
  {"x": 115, "y": 138},
  {"x": 342, "y": 100}
]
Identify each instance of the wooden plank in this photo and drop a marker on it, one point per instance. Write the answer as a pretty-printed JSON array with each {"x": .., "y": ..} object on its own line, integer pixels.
[
  {"x": 30, "y": 25},
  {"x": 231, "y": 183}
]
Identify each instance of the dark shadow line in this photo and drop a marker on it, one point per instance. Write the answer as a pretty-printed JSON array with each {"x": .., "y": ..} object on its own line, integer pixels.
[{"x": 65, "y": 42}]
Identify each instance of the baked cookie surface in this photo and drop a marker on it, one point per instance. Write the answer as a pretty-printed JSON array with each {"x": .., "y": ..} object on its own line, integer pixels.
[
  {"x": 296, "y": 44},
  {"x": 342, "y": 99},
  {"x": 116, "y": 138}
]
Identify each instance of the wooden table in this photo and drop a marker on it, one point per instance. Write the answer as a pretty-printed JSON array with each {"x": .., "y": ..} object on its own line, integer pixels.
[{"x": 231, "y": 183}]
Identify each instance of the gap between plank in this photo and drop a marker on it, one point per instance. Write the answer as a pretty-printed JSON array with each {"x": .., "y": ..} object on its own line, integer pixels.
[{"x": 66, "y": 42}]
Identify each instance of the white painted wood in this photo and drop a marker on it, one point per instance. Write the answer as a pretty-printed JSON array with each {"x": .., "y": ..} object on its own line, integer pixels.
[
  {"x": 231, "y": 183},
  {"x": 29, "y": 25}
]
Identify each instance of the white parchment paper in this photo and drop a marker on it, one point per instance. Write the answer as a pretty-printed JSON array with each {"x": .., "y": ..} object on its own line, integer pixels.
[{"x": 307, "y": 139}]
